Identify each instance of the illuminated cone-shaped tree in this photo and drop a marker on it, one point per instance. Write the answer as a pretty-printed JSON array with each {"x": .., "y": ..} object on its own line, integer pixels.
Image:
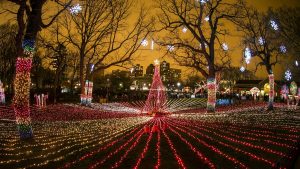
[{"x": 156, "y": 101}]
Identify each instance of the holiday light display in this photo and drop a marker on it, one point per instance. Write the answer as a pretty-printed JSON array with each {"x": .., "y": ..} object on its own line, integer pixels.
[
  {"x": 225, "y": 47},
  {"x": 156, "y": 101},
  {"x": 170, "y": 48},
  {"x": 261, "y": 41},
  {"x": 109, "y": 143},
  {"x": 2, "y": 93},
  {"x": 282, "y": 49},
  {"x": 272, "y": 91},
  {"x": 144, "y": 42},
  {"x": 206, "y": 19},
  {"x": 247, "y": 55},
  {"x": 75, "y": 9},
  {"x": 274, "y": 25},
  {"x": 293, "y": 88},
  {"x": 242, "y": 69},
  {"x": 86, "y": 98},
  {"x": 288, "y": 75},
  {"x": 211, "y": 94},
  {"x": 22, "y": 90},
  {"x": 41, "y": 100}
]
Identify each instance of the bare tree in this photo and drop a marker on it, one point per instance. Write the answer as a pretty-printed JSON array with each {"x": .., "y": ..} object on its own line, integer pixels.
[
  {"x": 102, "y": 36},
  {"x": 261, "y": 36},
  {"x": 57, "y": 48},
  {"x": 32, "y": 11},
  {"x": 195, "y": 36}
]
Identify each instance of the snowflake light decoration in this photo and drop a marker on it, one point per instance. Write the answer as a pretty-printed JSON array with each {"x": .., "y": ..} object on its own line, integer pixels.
[
  {"x": 203, "y": 1},
  {"x": 274, "y": 25},
  {"x": 242, "y": 69},
  {"x": 144, "y": 42},
  {"x": 247, "y": 55},
  {"x": 206, "y": 19},
  {"x": 282, "y": 49},
  {"x": 288, "y": 75},
  {"x": 184, "y": 29},
  {"x": 170, "y": 48},
  {"x": 74, "y": 10},
  {"x": 225, "y": 46},
  {"x": 261, "y": 41}
]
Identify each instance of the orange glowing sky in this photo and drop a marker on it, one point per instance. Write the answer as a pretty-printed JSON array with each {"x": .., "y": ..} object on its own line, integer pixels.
[{"x": 147, "y": 56}]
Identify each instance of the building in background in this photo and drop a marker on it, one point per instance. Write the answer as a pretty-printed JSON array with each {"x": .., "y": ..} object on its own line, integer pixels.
[{"x": 136, "y": 71}]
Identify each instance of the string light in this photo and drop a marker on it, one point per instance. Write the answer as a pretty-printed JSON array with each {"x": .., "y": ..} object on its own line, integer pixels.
[
  {"x": 2, "y": 93},
  {"x": 156, "y": 100},
  {"x": 211, "y": 94}
]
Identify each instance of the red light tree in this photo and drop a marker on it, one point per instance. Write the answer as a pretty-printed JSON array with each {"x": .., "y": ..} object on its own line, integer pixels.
[{"x": 157, "y": 99}]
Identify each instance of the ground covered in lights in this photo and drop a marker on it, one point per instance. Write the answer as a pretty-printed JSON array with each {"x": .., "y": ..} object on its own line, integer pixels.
[{"x": 118, "y": 136}]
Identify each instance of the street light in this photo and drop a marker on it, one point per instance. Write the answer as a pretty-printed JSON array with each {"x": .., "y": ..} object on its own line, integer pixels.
[{"x": 178, "y": 84}]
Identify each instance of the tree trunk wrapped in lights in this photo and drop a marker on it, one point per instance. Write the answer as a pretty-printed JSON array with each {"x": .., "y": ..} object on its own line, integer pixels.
[
  {"x": 157, "y": 99},
  {"x": 211, "y": 94},
  {"x": 272, "y": 92},
  {"x": 21, "y": 98}
]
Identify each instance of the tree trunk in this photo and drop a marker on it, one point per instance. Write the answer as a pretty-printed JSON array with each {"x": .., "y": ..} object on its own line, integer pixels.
[
  {"x": 271, "y": 94},
  {"x": 55, "y": 86},
  {"x": 81, "y": 69},
  {"x": 23, "y": 68},
  {"x": 211, "y": 94}
]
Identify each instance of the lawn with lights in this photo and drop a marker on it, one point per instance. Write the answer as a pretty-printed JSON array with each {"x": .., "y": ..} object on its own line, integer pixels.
[{"x": 248, "y": 138}]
